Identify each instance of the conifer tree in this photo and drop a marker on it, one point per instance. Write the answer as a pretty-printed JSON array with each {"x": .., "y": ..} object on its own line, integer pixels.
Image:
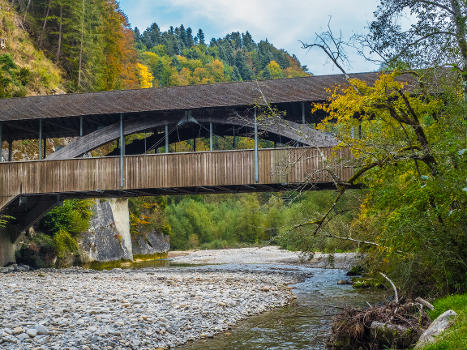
[{"x": 200, "y": 37}]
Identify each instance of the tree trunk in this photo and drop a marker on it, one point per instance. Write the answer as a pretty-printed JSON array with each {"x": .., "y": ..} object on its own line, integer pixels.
[
  {"x": 59, "y": 47},
  {"x": 44, "y": 24},
  {"x": 26, "y": 11}
]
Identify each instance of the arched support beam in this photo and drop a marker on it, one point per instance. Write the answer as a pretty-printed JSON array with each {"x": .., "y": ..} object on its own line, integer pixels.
[{"x": 288, "y": 129}]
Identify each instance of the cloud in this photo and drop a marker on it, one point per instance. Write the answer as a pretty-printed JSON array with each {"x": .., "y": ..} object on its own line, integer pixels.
[{"x": 283, "y": 23}]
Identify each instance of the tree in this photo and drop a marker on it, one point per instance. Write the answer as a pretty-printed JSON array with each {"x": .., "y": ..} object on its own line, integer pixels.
[
  {"x": 144, "y": 76},
  {"x": 273, "y": 71},
  {"x": 407, "y": 143},
  {"x": 244, "y": 69},
  {"x": 200, "y": 37},
  {"x": 437, "y": 37},
  {"x": 247, "y": 41},
  {"x": 189, "y": 38},
  {"x": 236, "y": 76}
]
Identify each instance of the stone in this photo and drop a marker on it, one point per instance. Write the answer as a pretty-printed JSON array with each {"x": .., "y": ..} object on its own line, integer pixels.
[
  {"x": 150, "y": 243},
  {"x": 23, "y": 268},
  {"x": 32, "y": 332},
  {"x": 42, "y": 330},
  {"x": 439, "y": 325},
  {"x": 10, "y": 339},
  {"x": 22, "y": 336},
  {"x": 341, "y": 282},
  {"x": 108, "y": 237},
  {"x": 18, "y": 330},
  {"x": 60, "y": 311}
]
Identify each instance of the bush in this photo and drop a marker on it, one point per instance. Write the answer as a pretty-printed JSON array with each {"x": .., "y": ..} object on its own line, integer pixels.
[
  {"x": 72, "y": 216},
  {"x": 65, "y": 244}
]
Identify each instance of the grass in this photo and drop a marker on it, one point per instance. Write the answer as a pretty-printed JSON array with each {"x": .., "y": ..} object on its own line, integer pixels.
[{"x": 455, "y": 338}]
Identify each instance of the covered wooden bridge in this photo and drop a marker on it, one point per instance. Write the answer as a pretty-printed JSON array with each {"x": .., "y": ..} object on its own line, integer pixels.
[{"x": 29, "y": 188}]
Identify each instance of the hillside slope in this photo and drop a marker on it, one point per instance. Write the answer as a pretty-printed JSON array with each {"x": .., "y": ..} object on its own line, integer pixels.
[
  {"x": 24, "y": 70},
  {"x": 177, "y": 57}
]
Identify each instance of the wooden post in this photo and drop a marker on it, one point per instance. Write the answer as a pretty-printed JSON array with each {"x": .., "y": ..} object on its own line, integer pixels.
[
  {"x": 166, "y": 138},
  {"x": 234, "y": 138},
  {"x": 40, "y": 139},
  {"x": 256, "y": 150},
  {"x": 10, "y": 150},
  {"x": 81, "y": 126},
  {"x": 303, "y": 113},
  {"x": 210, "y": 136},
  {"x": 122, "y": 149}
]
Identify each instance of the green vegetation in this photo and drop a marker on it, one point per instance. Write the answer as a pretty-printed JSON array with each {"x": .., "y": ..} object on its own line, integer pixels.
[
  {"x": 72, "y": 217},
  {"x": 411, "y": 156},
  {"x": 13, "y": 79},
  {"x": 176, "y": 57},
  {"x": 24, "y": 70},
  {"x": 410, "y": 159},
  {"x": 221, "y": 221},
  {"x": 410, "y": 151},
  {"x": 147, "y": 214},
  {"x": 58, "y": 233},
  {"x": 89, "y": 40},
  {"x": 455, "y": 337}
]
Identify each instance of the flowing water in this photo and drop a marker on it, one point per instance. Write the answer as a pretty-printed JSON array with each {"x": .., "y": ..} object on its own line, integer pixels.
[{"x": 303, "y": 324}]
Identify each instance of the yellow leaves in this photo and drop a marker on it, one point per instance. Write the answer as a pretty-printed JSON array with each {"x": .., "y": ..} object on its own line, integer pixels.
[
  {"x": 145, "y": 77},
  {"x": 216, "y": 70},
  {"x": 137, "y": 221},
  {"x": 274, "y": 70}
]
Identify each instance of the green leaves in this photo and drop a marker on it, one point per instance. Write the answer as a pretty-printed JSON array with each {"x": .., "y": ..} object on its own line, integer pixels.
[
  {"x": 72, "y": 216},
  {"x": 13, "y": 79}
]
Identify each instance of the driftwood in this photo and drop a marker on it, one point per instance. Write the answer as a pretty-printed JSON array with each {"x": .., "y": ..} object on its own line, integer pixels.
[
  {"x": 396, "y": 296},
  {"x": 392, "y": 325},
  {"x": 424, "y": 303}
]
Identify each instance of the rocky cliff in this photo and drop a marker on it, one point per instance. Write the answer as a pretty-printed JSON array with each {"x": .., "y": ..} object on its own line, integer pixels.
[{"x": 108, "y": 237}]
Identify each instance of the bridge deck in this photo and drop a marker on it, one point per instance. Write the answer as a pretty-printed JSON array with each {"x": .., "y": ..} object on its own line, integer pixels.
[{"x": 90, "y": 177}]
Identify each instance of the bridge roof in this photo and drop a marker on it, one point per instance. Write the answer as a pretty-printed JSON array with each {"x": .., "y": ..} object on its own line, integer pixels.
[{"x": 310, "y": 89}]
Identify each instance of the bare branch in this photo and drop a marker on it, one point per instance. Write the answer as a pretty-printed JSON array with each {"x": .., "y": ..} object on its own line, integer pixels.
[{"x": 396, "y": 297}]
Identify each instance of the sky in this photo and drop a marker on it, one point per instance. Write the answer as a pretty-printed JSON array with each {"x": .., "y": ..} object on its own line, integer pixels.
[{"x": 283, "y": 22}]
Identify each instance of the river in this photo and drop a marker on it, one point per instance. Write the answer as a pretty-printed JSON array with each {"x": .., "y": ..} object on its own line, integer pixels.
[{"x": 304, "y": 324}]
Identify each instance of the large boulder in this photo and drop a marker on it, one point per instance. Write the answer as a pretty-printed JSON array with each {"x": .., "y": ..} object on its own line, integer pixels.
[
  {"x": 108, "y": 237},
  {"x": 439, "y": 325},
  {"x": 150, "y": 243}
]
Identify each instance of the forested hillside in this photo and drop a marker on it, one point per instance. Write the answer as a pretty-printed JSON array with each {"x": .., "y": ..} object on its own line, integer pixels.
[
  {"x": 24, "y": 70},
  {"x": 90, "y": 40},
  {"x": 92, "y": 43},
  {"x": 177, "y": 57}
]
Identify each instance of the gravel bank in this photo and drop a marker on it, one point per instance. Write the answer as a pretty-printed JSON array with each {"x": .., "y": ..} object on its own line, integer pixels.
[
  {"x": 129, "y": 309},
  {"x": 264, "y": 255}
]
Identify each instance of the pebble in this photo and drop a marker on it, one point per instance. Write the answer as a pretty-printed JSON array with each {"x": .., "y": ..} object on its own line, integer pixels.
[
  {"x": 17, "y": 330},
  {"x": 73, "y": 308},
  {"x": 31, "y": 332}
]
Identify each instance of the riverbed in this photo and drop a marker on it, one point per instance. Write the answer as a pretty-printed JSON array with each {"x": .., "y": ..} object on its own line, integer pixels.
[{"x": 162, "y": 304}]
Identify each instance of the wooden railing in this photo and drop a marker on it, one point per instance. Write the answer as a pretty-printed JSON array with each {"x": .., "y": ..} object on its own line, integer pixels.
[{"x": 209, "y": 169}]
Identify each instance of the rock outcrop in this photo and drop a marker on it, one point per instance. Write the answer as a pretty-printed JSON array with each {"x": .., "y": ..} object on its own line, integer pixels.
[
  {"x": 150, "y": 243},
  {"x": 108, "y": 237}
]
